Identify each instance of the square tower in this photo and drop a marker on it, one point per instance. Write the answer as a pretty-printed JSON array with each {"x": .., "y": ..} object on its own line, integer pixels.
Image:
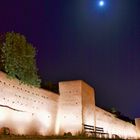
[
  {"x": 76, "y": 106},
  {"x": 137, "y": 122}
]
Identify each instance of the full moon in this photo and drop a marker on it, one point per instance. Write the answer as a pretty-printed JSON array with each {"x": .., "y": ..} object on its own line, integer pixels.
[{"x": 101, "y": 3}]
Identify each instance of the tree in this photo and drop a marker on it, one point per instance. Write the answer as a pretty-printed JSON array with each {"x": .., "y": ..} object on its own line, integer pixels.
[
  {"x": 50, "y": 86},
  {"x": 115, "y": 112},
  {"x": 2, "y": 39},
  {"x": 18, "y": 58},
  {"x": 119, "y": 115}
]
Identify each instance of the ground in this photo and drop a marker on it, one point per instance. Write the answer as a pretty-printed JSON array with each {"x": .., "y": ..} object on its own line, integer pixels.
[{"x": 13, "y": 137}]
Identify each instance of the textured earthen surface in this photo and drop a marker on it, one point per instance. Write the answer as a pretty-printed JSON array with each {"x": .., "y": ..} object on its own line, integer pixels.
[
  {"x": 137, "y": 122},
  {"x": 23, "y": 107},
  {"x": 70, "y": 107},
  {"x": 29, "y": 110},
  {"x": 113, "y": 125},
  {"x": 88, "y": 104}
]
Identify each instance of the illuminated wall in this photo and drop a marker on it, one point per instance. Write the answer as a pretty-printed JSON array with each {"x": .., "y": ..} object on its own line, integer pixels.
[
  {"x": 137, "y": 122},
  {"x": 27, "y": 107},
  {"x": 78, "y": 99},
  {"x": 88, "y": 104},
  {"x": 113, "y": 125},
  {"x": 70, "y": 107},
  {"x": 76, "y": 103},
  {"x": 30, "y": 110}
]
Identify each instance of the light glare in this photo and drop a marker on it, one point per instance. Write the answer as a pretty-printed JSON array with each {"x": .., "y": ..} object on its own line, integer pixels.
[
  {"x": 101, "y": 3},
  {"x": 44, "y": 118},
  {"x": 2, "y": 115}
]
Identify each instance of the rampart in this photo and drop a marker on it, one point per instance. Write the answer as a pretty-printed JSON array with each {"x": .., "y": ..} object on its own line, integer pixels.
[
  {"x": 29, "y": 110},
  {"x": 26, "y": 109}
]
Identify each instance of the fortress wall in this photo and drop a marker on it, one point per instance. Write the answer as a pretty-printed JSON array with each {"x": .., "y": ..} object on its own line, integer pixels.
[
  {"x": 18, "y": 122},
  {"x": 29, "y": 110},
  {"x": 70, "y": 111},
  {"x": 38, "y": 105},
  {"x": 137, "y": 122},
  {"x": 88, "y": 104},
  {"x": 113, "y": 125}
]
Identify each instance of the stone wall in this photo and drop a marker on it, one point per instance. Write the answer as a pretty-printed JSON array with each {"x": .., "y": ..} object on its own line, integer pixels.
[
  {"x": 77, "y": 106},
  {"x": 78, "y": 99},
  {"x": 70, "y": 107},
  {"x": 27, "y": 106},
  {"x": 137, "y": 122},
  {"x": 88, "y": 104},
  {"x": 114, "y": 126},
  {"x": 29, "y": 110}
]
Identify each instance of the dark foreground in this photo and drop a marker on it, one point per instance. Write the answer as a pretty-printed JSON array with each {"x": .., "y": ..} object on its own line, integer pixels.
[{"x": 14, "y": 137}]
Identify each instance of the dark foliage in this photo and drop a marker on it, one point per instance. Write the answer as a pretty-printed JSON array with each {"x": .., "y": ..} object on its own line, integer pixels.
[{"x": 17, "y": 58}]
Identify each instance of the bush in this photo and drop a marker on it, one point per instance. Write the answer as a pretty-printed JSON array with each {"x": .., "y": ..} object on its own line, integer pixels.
[
  {"x": 68, "y": 134},
  {"x": 5, "y": 131}
]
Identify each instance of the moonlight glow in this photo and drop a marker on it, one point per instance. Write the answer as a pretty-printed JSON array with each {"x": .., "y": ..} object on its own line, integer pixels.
[{"x": 101, "y": 3}]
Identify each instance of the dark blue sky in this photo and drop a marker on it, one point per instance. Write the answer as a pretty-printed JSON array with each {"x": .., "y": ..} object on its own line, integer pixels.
[{"x": 77, "y": 39}]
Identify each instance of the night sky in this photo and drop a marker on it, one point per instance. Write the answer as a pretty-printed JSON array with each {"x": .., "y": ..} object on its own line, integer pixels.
[{"x": 78, "y": 39}]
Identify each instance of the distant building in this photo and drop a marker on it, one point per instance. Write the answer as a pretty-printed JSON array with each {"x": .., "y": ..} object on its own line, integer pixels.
[{"x": 29, "y": 110}]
